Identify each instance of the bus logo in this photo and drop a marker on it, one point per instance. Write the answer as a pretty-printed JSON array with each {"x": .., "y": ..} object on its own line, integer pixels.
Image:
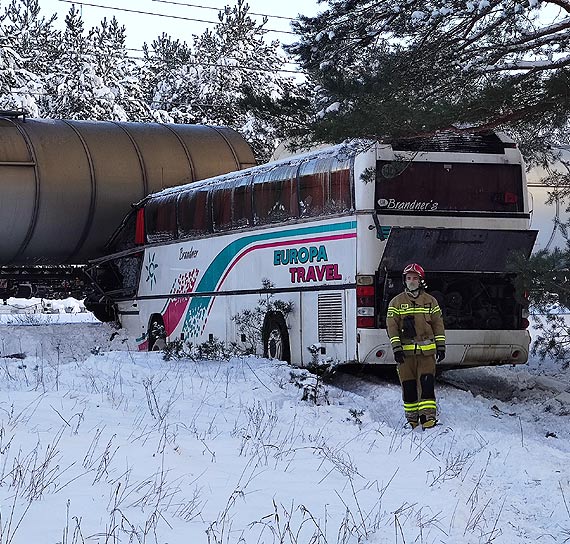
[{"x": 151, "y": 270}]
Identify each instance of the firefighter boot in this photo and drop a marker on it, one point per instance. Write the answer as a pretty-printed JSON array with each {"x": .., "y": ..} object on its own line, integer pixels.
[{"x": 427, "y": 422}]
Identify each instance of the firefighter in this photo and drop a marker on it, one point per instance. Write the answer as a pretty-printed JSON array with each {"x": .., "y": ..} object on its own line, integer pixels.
[{"x": 417, "y": 335}]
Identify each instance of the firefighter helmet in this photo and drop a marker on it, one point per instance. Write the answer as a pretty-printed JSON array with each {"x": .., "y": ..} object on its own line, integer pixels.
[{"x": 416, "y": 269}]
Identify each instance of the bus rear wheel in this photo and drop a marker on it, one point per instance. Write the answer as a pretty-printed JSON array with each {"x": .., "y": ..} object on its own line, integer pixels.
[{"x": 276, "y": 338}]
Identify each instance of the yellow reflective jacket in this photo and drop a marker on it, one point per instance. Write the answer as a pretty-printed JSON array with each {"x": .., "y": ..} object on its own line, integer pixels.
[{"x": 415, "y": 324}]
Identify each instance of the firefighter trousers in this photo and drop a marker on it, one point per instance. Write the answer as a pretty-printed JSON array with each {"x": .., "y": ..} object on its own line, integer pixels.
[{"x": 417, "y": 378}]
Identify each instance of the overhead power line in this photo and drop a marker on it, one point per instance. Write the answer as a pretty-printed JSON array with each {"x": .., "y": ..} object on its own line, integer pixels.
[
  {"x": 180, "y": 17},
  {"x": 220, "y": 9}
]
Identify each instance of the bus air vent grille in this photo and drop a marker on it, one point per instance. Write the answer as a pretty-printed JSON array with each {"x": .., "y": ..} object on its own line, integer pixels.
[{"x": 330, "y": 317}]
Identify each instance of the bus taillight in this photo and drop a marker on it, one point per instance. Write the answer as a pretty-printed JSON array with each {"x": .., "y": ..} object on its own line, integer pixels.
[
  {"x": 365, "y": 302},
  {"x": 364, "y": 322},
  {"x": 365, "y": 295}
]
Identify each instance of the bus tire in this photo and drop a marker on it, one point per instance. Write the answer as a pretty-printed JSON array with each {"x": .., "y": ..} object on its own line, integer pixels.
[
  {"x": 276, "y": 338},
  {"x": 156, "y": 334}
]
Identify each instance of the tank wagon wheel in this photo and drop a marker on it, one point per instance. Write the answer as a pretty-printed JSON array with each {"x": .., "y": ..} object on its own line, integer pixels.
[
  {"x": 276, "y": 338},
  {"x": 156, "y": 334}
]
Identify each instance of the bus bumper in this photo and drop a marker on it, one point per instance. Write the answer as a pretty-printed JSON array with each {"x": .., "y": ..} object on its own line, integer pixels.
[{"x": 465, "y": 348}]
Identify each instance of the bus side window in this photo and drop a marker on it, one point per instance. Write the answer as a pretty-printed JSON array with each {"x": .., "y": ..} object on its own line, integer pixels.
[
  {"x": 290, "y": 198},
  {"x": 312, "y": 193},
  {"x": 241, "y": 205},
  {"x": 275, "y": 196},
  {"x": 160, "y": 219},
  {"x": 340, "y": 198},
  {"x": 193, "y": 213},
  {"x": 266, "y": 200},
  {"x": 222, "y": 208}
]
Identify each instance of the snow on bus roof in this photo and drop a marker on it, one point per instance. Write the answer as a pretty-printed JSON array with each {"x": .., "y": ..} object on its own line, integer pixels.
[{"x": 344, "y": 152}]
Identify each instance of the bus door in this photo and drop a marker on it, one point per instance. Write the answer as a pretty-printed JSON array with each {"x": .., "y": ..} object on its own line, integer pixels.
[{"x": 323, "y": 326}]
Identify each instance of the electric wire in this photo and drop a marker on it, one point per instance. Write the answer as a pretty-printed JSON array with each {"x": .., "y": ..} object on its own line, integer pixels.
[
  {"x": 220, "y": 9},
  {"x": 139, "y": 50},
  {"x": 224, "y": 66},
  {"x": 180, "y": 17}
]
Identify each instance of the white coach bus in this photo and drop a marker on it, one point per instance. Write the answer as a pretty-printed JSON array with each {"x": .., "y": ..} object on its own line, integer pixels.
[{"x": 328, "y": 233}]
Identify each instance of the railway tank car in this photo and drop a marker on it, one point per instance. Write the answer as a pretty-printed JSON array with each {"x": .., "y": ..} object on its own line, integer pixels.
[{"x": 66, "y": 185}]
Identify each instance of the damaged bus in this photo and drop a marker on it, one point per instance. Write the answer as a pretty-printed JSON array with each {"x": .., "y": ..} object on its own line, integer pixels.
[{"x": 312, "y": 247}]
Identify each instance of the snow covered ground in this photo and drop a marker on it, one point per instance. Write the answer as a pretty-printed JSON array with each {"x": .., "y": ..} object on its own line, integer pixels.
[{"x": 99, "y": 443}]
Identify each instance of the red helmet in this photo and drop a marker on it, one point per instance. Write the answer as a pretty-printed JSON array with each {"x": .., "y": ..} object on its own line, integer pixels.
[{"x": 415, "y": 268}]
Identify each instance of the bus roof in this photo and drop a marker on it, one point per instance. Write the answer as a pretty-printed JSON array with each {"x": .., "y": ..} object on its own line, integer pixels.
[{"x": 447, "y": 142}]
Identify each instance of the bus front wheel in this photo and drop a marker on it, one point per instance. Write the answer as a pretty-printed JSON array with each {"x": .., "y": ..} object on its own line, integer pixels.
[{"x": 276, "y": 338}]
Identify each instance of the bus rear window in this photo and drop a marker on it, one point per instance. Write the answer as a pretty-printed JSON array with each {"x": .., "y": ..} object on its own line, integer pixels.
[
  {"x": 427, "y": 187},
  {"x": 193, "y": 213}
]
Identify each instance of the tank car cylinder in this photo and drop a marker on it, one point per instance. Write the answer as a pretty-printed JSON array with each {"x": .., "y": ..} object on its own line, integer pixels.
[{"x": 65, "y": 186}]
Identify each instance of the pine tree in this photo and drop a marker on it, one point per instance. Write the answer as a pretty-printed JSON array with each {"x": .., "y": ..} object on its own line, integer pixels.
[
  {"x": 400, "y": 68},
  {"x": 27, "y": 49},
  {"x": 411, "y": 68},
  {"x": 92, "y": 76},
  {"x": 165, "y": 77},
  {"x": 118, "y": 72},
  {"x": 72, "y": 84},
  {"x": 227, "y": 76}
]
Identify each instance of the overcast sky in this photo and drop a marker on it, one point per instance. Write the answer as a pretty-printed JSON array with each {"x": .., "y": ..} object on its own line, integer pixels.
[{"x": 174, "y": 16}]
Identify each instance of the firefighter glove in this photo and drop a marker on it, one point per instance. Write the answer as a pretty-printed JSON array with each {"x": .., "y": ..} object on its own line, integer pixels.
[
  {"x": 399, "y": 357},
  {"x": 440, "y": 354}
]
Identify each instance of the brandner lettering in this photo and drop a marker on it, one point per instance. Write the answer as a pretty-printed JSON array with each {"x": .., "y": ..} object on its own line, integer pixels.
[
  {"x": 413, "y": 205},
  {"x": 187, "y": 253}
]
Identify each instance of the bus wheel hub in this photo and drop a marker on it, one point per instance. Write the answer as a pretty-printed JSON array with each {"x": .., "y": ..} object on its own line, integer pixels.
[{"x": 275, "y": 345}]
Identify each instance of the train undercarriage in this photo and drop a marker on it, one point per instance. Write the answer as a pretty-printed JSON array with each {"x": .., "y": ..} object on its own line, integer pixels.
[{"x": 55, "y": 283}]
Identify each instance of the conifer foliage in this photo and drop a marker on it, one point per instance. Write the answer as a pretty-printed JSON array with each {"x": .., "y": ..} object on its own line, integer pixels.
[
  {"x": 27, "y": 50},
  {"x": 217, "y": 79},
  {"x": 230, "y": 75},
  {"x": 66, "y": 73},
  {"x": 410, "y": 67}
]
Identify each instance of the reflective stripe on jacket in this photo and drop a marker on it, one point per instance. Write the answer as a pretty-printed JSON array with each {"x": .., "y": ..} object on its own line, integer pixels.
[{"x": 423, "y": 316}]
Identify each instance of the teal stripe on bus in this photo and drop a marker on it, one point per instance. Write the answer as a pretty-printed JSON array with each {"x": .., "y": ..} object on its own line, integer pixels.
[
  {"x": 195, "y": 319},
  {"x": 215, "y": 271}
]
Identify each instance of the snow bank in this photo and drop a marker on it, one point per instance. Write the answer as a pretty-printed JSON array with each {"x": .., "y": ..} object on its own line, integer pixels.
[{"x": 101, "y": 446}]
